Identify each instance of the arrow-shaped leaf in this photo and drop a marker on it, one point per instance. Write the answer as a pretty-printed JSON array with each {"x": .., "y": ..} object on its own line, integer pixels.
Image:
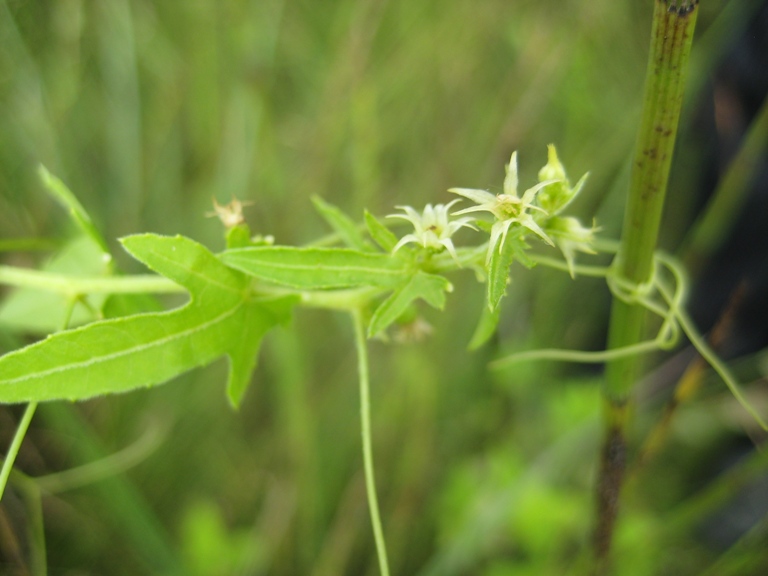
[
  {"x": 318, "y": 268},
  {"x": 222, "y": 317}
]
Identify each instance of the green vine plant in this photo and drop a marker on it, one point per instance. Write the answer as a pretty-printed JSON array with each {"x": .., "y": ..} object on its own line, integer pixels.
[{"x": 237, "y": 296}]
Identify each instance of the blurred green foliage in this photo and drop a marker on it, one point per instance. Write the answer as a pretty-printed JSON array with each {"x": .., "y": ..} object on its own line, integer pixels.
[{"x": 149, "y": 110}]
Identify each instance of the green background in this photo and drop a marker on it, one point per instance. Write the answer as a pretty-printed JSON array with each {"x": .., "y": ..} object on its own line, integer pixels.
[{"x": 150, "y": 110}]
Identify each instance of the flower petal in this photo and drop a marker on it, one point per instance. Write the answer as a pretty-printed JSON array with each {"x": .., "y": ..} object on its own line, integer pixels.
[
  {"x": 531, "y": 192},
  {"x": 447, "y": 207},
  {"x": 457, "y": 225},
  {"x": 477, "y": 196},
  {"x": 405, "y": 240},
  {"x": 474, "y": 209},
  {"x": 533, "y": 227},
  {"x": 498, "y": 236},
  {"x": 451, "y": 250}
]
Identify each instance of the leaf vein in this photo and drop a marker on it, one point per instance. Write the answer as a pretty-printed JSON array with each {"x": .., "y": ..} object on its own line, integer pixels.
[{"x": 125, "y": 352}]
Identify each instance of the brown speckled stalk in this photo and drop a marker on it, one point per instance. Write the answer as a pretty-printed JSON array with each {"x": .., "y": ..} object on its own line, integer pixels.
[{"x": 671, "y": 36}]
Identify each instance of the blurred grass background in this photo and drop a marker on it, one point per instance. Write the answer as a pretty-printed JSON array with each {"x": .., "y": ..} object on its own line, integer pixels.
[{"x": 148, "y": 111}]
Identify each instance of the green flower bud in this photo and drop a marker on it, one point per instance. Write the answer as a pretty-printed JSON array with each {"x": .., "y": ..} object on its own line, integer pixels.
[
  {"x": 553, "y": 170},
  {"x": 556, "y": 196}
]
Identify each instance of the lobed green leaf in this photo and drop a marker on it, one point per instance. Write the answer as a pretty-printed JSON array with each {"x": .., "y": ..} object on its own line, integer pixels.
[{"x": 222, "y": 317}]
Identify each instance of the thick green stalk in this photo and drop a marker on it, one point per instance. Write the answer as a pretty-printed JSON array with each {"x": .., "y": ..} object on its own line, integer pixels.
[{"x": 671, "y": 36}]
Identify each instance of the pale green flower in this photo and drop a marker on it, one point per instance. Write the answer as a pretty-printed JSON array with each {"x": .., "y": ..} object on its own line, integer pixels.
[
  {"x": 571, "y": 237},
  {"x": 508, "y": 208},
  {"x": 433, "y": 228}
]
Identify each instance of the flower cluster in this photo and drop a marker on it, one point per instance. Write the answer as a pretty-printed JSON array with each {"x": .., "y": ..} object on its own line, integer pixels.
[
  {"x": 535, "y": 211},
  {"x": 508, "y": 208}
]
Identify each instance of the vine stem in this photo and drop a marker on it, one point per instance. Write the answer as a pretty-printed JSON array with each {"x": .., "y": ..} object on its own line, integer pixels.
[
  {"x": 78, "y": 285},
  {"x": 365, "y": 428},
  {"x": 13, "y": 449},
  {"x": 75, "y": 286},
  {"x": 671, "y": 37}
]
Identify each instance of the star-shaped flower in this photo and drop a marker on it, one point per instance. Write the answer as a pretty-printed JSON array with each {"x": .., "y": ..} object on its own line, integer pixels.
[
  {"x": 508, "y": 208},
  {"x": 433, "y": 228}
]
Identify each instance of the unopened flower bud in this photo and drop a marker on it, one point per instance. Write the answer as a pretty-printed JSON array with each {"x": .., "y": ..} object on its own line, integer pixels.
[{"x": 556, "y": 196}]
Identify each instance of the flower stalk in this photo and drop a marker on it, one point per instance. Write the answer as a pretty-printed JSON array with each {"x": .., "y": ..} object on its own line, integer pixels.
[{"x": 365, "y": 429}]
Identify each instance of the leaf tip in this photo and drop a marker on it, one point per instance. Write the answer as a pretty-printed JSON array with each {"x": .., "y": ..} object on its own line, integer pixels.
[{"x": 235, "y": 399}]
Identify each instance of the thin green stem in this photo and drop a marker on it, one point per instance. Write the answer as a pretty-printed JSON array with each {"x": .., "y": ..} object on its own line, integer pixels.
[
  {"x": 669, "y": 308},
  {"x": 579, "y": 270},
  {"x": 136, "y": 521},
  {"x": 29, "y": 487},
  {"x": 579, "y": 356},
  {"x": 29, "y": 493},
  {"x": 343, "y": 300},
  {"x": 13, "y": 449},
  {"x": 105, "y": 467},
  {"x": 365, "y": 427},
  {"x": 674, "y": 298},
  {"x": 76, "y": 286},
  {"x": 718, "y": 366},
  {"x": 666, "y": 337}
]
